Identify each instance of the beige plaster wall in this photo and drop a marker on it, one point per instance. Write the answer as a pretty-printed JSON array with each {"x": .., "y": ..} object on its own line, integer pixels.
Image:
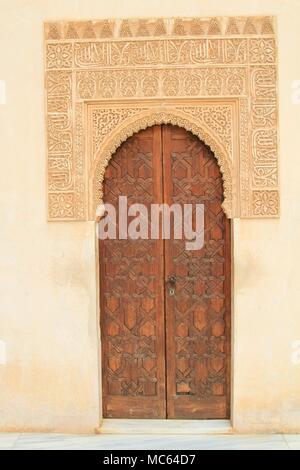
[{"x": 48, "y": 307}]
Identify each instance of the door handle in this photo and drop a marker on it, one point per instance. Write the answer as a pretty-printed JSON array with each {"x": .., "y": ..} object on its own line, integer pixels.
[{"x": 171, "y": 281}]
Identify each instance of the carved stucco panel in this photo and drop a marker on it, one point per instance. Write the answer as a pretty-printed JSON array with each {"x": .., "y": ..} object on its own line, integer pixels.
[
  {"x": 195, "y": 119},
  {"x": 109, "y": 78}
]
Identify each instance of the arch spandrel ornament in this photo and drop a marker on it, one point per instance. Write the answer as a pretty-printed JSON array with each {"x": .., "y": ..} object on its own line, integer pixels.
[
  {"x": 107, "y": 79},
  {"x": 164, "y": 115}
]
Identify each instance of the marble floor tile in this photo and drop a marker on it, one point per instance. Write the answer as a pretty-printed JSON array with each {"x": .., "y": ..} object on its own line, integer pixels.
[
  {"x": 55, "y": 441},
  {"x": 7, "y": 440},
  {"x": 149, "y": 442},
  {"x": 293, "y": 441}
]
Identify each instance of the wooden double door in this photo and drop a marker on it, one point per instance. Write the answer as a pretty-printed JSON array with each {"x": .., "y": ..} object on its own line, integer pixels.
[{"x": 165, "y": 310}]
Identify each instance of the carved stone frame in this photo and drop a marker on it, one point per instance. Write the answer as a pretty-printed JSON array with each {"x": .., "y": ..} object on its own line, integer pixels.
[{"x": 107, "y": 79}]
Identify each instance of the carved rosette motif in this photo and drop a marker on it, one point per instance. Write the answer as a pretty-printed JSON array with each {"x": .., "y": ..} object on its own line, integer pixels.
[{"x": 107, "y": 79}]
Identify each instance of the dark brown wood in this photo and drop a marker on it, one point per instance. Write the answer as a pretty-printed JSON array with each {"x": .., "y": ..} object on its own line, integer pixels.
[
  {"x": 132, "y": 290},
  {"x": 166, "y": 356},
  {"x": 198, "y": 315}
]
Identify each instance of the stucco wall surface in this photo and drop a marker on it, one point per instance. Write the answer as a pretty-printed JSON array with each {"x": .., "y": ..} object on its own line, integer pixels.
[{"x": 49, "y": 358}]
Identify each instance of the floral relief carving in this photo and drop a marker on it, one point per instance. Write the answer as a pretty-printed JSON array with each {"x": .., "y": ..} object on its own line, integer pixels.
[
  {"x": 109, "y": 78},
  {"x": 106, "y": 120},
  {"x": 59, "y": 56},
  {"x": 61, "y": 205},
  {"x": 218, "y": 118},
  {"x": 265, "y": 203},
  {"x": 134, "y": 119},
  {"x": 175, "y": 116},
  {"x": 262, "y": 51},
  {"x": 244, "y": 199},
  {"x": 212, "y": 81}
]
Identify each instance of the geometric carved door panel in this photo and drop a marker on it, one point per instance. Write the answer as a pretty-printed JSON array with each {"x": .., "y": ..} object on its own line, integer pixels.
[
  {"x": 198, "y": 314},
  {"x": 131, "y": 290},
  {"x": 165, "y": 310}
]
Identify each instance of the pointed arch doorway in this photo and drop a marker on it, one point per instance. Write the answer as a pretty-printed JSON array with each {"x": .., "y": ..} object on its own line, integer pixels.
[{"x": 165, "y": 311}]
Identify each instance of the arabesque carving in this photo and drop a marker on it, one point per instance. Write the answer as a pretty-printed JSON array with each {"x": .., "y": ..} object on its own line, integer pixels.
[
  {"x": 107, "y": 79},
  {"x": 207, "y": 122}
]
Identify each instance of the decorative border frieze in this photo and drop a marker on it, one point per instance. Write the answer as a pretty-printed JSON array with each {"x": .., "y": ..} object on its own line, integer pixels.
[{"x": 107, "y": 79}]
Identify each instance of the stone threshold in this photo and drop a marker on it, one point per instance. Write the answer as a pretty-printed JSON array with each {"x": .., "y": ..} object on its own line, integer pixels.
[{"x": 164, "y": 426}]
